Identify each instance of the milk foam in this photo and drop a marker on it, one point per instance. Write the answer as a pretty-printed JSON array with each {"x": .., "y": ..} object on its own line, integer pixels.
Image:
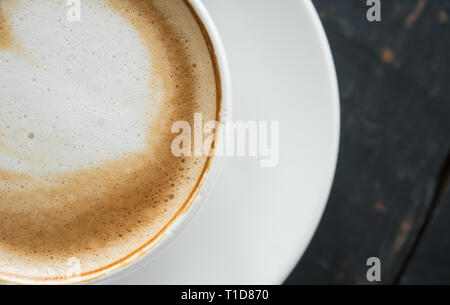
[
  {"x": 86, "y": 169},
  {"x": 71, "y": 97}
]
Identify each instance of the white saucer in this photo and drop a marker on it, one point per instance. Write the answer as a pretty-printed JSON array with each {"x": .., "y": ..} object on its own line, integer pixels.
[{"x": 257, "y": 222}]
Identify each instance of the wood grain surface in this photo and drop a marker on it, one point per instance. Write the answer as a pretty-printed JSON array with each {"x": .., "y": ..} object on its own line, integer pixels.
[{"x": 391, "y": 196}]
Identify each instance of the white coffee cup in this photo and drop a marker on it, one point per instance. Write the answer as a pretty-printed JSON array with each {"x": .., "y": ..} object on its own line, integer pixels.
[{"x": 151, "y": 249}]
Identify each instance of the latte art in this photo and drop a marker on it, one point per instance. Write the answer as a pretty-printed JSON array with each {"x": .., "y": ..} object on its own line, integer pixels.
[{"x": 86, "y": 169}]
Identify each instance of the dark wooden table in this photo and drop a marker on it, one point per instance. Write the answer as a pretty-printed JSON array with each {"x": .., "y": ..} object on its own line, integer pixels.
[{"x": 391, "y": 196}]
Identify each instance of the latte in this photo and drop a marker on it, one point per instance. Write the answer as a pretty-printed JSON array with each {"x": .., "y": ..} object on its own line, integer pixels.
[{"x": 86, "y": 169}]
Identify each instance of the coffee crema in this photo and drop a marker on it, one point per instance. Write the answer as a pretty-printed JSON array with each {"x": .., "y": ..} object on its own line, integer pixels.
[{"x": 86, "y": 109}]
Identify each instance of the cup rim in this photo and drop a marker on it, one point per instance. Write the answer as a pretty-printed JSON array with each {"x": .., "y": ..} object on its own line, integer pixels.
[{"x": 158, "y": 243}]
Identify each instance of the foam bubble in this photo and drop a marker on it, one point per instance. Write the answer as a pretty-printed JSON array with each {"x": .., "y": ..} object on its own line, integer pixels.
[{"x": 85, "y": 94}]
